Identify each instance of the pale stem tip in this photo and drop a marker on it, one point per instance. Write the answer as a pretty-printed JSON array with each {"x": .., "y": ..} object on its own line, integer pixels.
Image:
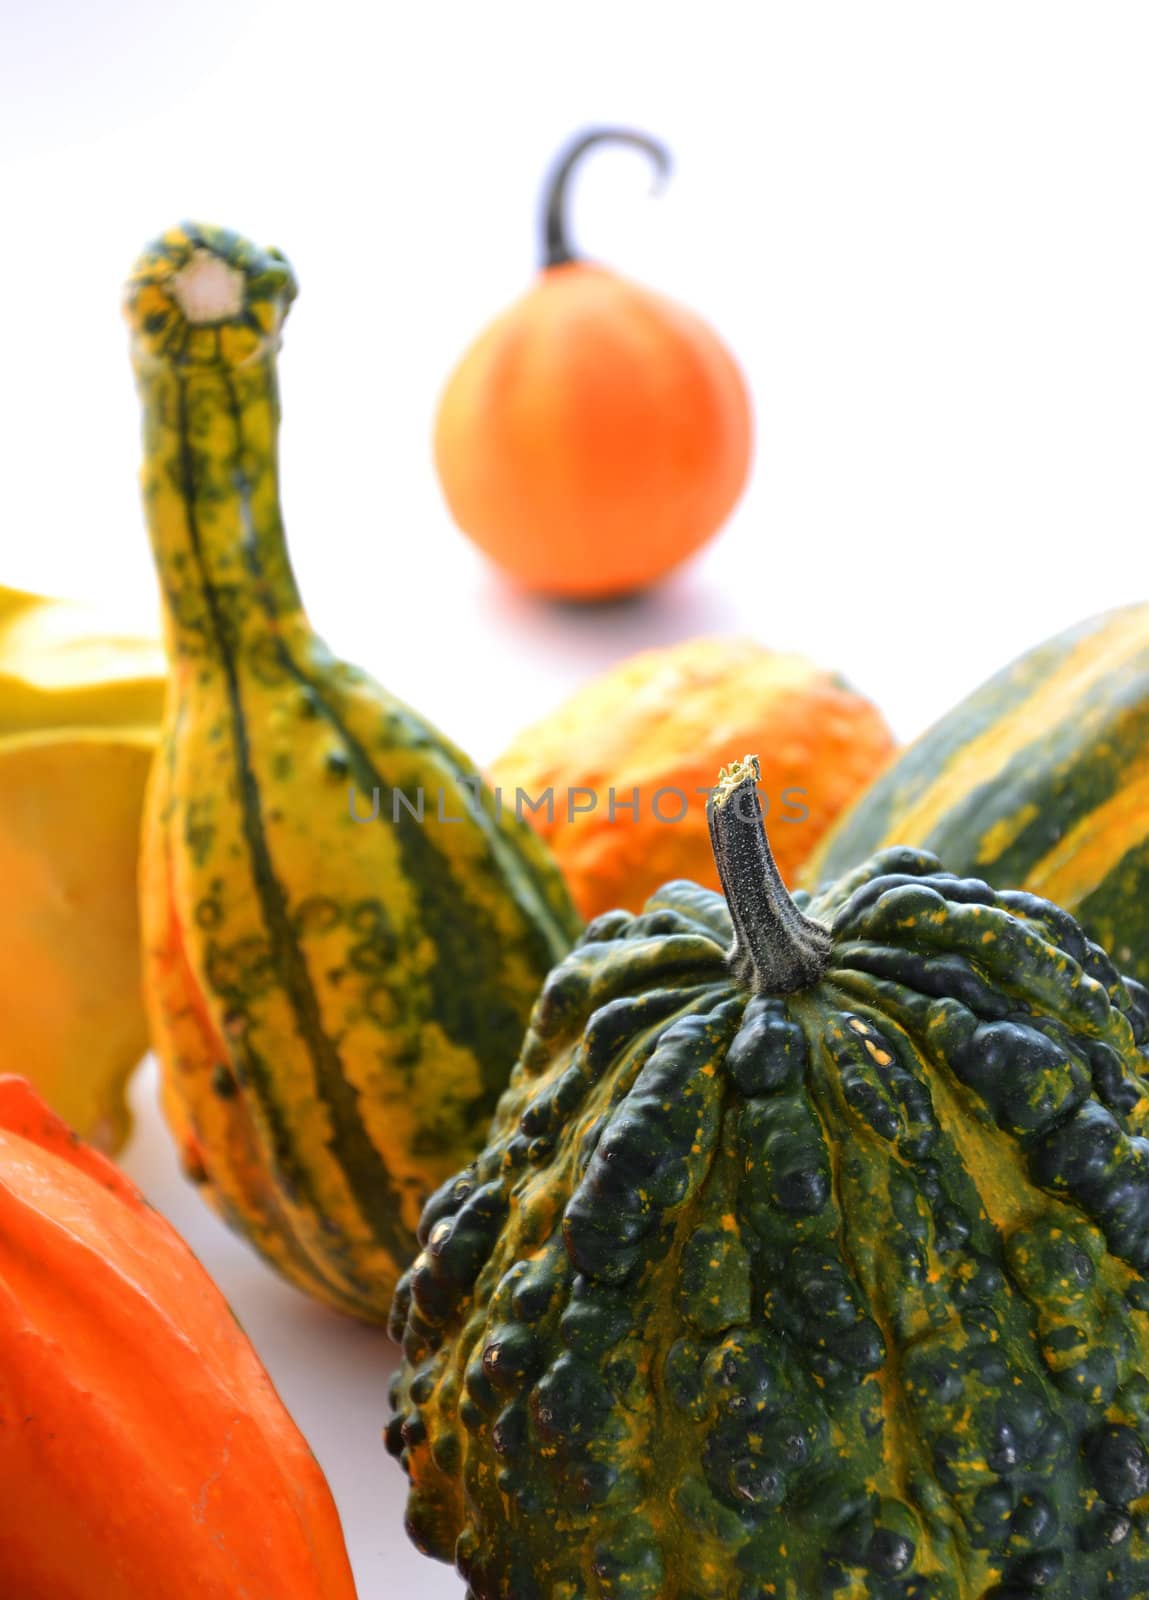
[{"x": 207, "y": 289}]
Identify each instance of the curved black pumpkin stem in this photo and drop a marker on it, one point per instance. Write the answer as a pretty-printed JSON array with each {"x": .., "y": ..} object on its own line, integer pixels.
[
  {"x": 557, "y": 248},
  {"x": 776, "y": 950}
]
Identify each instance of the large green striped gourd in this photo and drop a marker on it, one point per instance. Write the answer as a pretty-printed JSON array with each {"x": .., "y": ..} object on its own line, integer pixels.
[
  {"x": 336, "y": 1003},
  {"x": 1039, "y": 781},
  {"x": 808, "y": 1258}
]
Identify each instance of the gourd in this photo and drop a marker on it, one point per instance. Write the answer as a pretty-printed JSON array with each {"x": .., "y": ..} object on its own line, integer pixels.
[
  {"x": 629, "y": 759},
  {"x": 336, "y": 987},
  {"x": 1039, "y": 780},
  {"x": 64, "y": 664},
  {"x": 80, "y": 705},
  {"x": 808, "y": 1256},
  {"x": 143, "y": 1449},
  {"x": 595, "y": 434},
  {"x": 71, "y": 1013}
]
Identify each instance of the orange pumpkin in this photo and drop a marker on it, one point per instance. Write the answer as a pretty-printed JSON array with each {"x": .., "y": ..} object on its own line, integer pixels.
[
  {"x": 143, "y": 1450},
  {"x": 596, "y": 434},
  {"x": 646, "y": 739}
]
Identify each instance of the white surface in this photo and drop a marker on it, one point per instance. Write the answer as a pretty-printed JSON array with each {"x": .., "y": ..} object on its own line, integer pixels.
[{"x": 924, "y": 229}]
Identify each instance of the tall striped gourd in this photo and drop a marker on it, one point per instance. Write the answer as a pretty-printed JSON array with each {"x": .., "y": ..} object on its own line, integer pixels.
[
  {"x": 1039, "y": 781},
  {"x": 336, "y": 1005}
]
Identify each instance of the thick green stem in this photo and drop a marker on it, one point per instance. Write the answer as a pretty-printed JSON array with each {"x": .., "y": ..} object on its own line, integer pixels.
[
  {"x": 776, "y": 949},
  {"x": 557, "y": 248}
]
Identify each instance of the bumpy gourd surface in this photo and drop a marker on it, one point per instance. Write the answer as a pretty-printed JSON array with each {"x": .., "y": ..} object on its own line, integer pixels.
[
  {"x": 837, "y": 1295},
  {"x": 336, "y": 1001},
  {"x": 1039, "y": 781}
]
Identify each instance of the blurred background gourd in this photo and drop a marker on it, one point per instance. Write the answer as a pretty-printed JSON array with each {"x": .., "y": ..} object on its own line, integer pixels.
[
  {"x": 631, "y": 756},
  {"x": 1038, "y": 780},
  {"x": 595, "y": 434},
  {"x": 80, "y": 708}
]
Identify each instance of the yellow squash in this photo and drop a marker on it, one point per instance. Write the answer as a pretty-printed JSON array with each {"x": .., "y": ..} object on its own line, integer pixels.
[
  {"x": 80, "y": 704},
  {"x": 66, "y": 665},
  {"x": 72, "y": 1019}
]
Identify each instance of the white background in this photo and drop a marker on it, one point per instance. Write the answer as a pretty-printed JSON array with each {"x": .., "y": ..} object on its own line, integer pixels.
[{"x": 923, "y": 228}]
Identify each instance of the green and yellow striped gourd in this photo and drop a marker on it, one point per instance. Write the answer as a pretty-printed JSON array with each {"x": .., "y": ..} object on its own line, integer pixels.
[
  {"x": 336, "y": 1003},
  {"x": 1039, "y": 781}
]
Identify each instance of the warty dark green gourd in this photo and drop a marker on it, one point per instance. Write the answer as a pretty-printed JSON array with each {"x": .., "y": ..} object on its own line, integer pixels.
[{"x": 807, "y": 1258}]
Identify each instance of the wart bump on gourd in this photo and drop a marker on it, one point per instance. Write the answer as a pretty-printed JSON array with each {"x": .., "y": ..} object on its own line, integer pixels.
[{"x": 834, "y": 1280}]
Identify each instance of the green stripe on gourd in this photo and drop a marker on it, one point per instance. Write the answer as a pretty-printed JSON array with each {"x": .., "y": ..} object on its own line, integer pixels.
[
  {"x": 336, "y": 1003},
  {"x": 1040, "y": 780}
]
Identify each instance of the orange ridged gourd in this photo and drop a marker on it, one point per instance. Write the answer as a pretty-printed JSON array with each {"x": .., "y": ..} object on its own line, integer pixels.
[
  {"x": 144, "y": 1454},
  {"x": 661, "y": 723}
]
